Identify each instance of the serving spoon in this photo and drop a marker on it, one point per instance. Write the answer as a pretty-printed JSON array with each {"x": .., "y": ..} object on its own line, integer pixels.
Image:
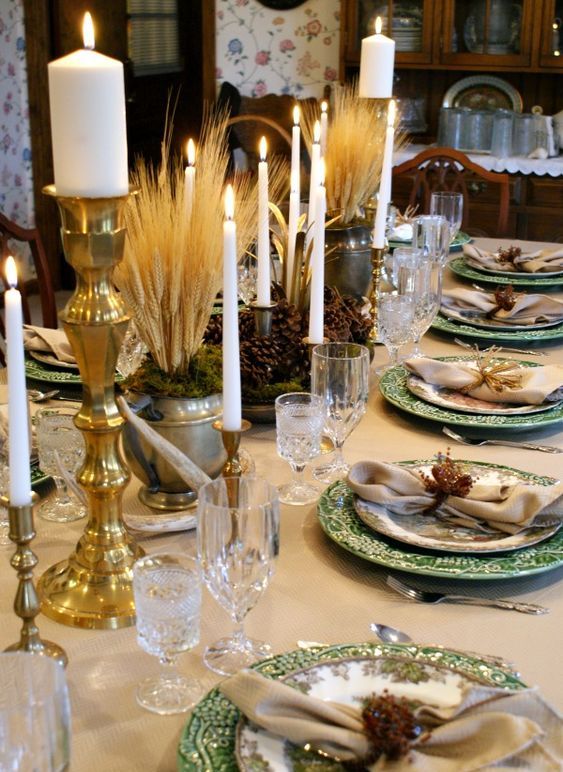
[{"x": 41, "y": 396}]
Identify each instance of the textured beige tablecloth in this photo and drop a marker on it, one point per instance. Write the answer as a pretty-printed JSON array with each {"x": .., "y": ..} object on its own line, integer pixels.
[{"x": 319, "y": 592}]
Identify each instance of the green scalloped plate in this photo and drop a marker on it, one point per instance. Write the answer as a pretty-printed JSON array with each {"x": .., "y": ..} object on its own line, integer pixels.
[
  {"x": 393, "y": 386},
  {"x": 209, "y": 738},
  {"x": 340, "y": 522},
  {"x": 460, "y": 267},
  {"x": 542, "y": 335},
  {"x": 37, "y": 371}
]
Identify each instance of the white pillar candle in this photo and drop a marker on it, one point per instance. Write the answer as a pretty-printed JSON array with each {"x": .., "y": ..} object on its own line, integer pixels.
[
  {"x": 263, "y": 278},
  {"x": 18, "y": 431},
  {"x": 87, "y": 100},
  {"x": 385, "y": 185},
  {"x": 376, "y": 65},
  {"x": 316, "y": 307},
  {"x": 292, "y": 231},
  {"x": 324, "y": 127},
  {"x": 189, "y": 179},
  {"x": 296, "y": 152},
  {"x": 231, "y": 358},
  {"x": 315, "y": 162}
]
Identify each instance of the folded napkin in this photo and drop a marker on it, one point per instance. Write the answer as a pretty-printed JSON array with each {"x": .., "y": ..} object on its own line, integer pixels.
[
  {"x": 401, "y": 232},
  {"x": 524, "y": 385},
  {"x": 540, "y": 261},
  {"x": 488, "y": 725},
  {"x": 507, "y": 508},
  {"x": 527, "y": 309},
  {"x": 50, "y": 341}
]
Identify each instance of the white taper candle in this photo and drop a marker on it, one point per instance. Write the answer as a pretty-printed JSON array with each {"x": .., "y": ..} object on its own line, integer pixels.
[
  {"x": 315, "y": 161},
  {"x": 189, "y": 179},
  {"x": 263, "y": 279},
  {"x": 385, "y": 185},
  {"x": 231, "y": 356},
  {"x": 316, "y": 308}
]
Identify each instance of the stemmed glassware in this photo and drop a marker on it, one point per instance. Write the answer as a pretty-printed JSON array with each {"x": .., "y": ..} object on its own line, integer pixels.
[
  {"x": 418, "y": 276},
  {"x": 299, "y": 424},
  {"x": 450, "y": 206},
  {"x": 59, "y": 444},
  {"x": 431, "y": 234},
  {"x": 34, "y": 714},
  {"x": 238, "y": 542},
  {"x": 247, "y": 276},
  {"x": 339, "y": 375},
  {"x": 395, "y": 314},
  {"x": 167, "y": 590}
]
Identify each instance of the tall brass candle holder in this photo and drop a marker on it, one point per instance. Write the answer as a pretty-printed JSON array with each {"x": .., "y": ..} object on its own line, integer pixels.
[
  {"x": 231, "y": 442},
  {"x": 93, "y": 588},
  {"x": 377, "y": 257},
  {"x": 26, "y": 602}
]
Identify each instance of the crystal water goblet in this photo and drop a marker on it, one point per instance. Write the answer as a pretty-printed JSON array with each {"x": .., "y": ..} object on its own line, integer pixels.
[
  {"x": 431, "y": 234},
  {"x": 339, "y": 375},
  {"x": 247, "y": 276},
  {"x": 167, "y": 591},
  {"x": 450, "y": 206},
  {"x": 34, "y": 714},
  {"x": 420, "y": 277},
  {"x": 238, "y": 542},
  {"x": 395, "y": 314},
  {"x": 132, "y": 352},
  {"x": 59, "y": 444},
  {"x": 299, "y": 425}
]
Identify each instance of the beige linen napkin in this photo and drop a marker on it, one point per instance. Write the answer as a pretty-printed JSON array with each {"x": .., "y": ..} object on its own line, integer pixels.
[
  {"x": 508, "y": 508},
  {"x": 49, "y": 341},
  {"x": 540, "y": 261},
  {"x": 535, "y": 384},
  {"x": 527, "y": 309},
  {"x": 488, "y": 725}
]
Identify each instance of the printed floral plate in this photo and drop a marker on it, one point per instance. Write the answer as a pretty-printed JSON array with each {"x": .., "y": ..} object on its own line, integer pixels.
[
  {"x": 210, "y": 737},
  {"x": 393, "y": 386},
  {"x": 38, "y": 372},
  {"x": 51, "y": 359},
  {"x": 456, "y": 245},
  {"x": 460, "y": 267},
  {"x": 431, "y": 531},
  {"x": 499, "y": 272},
  {"x": 480, "y": 320},
  {"x": 505, "y": 335},
  {"x": 340, "y": 522},
  {"x": 456, "y": 400}
]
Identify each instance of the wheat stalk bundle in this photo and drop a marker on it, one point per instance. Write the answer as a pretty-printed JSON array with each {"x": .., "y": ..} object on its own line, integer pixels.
[
  {"x": 354, "y": 152},
  {"x": 173, "y": 262}
]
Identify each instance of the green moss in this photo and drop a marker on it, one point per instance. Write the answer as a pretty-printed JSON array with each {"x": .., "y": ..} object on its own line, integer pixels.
[
  {"x": 269, "y": 393},
  {"x": 203, "y": 377}
]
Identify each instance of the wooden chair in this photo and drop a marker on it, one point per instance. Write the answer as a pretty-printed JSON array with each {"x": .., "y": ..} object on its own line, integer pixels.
[
  {"x": 9, "y": 232},
  {"x": 445, "y": 169}
]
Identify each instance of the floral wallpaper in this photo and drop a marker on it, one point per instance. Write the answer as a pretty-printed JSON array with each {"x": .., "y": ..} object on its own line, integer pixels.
[
  {"x": 261, "y": 51},
  {"x": 16, "y": 180}
]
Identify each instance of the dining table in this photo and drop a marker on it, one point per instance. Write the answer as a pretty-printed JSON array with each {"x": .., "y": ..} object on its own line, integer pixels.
[{"x": 319, "y": 592}]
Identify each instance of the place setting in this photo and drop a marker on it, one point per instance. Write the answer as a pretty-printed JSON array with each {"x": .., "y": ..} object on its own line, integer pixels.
[{"x": 538, "y": 269}]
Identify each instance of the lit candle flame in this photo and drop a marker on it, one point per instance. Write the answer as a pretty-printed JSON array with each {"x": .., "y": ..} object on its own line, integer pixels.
[
  {"x": 324, "y": 107},
  {"x": 263, "y": 149},
  {"x": 191, "y": 152},
  {"x": 229, "y": 203},
  {"x": 322, "y": 171},
  {"x": 317, "y": 132},
  {"x": 11, "y": 272},
  {"x": 296, "y": 115},
  {"x": 391, "y": 113},
  {"x": 88, "y": 31},
  {"x": 378, "y": 25}
]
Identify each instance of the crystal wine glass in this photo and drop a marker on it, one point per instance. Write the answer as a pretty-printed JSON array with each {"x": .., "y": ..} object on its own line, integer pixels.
[
  {"x": 450, "y": 206},
  {"x": 34, "y": 714},
  {"x": 299, "y": 424},
  {"x": 395, "y": 314},
  {"x": 431, "y": 234},
  {"x": 339, "y": 375},
  {"x": 247, "y": 276},
  {"x": 238, "y": 541},
  {"x": 420, "y": 277},
  {"x": 59, "y": 444},
  {"x": 167, "y": 590}
]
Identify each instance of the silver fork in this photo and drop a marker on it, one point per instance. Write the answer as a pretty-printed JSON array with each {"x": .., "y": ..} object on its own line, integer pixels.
[
  {"x": 509, "y": 443},
  {"x": 437, "y": 597},
  {"x": 526, "y": 352}
]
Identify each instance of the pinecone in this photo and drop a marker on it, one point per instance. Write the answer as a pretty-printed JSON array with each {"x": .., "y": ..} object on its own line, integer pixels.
[
  {"x": 259, "y": 359},
  {"x": 214, "y": 332},
  {"x": 360, "y": 321}
]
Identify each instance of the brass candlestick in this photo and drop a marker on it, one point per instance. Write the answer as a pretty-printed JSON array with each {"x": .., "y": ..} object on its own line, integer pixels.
[
  {"x": 26, "y": 602},
  {"x": 93, "y": 588},
  {"x": 231, "y": 442},
  {"x": 263, "y": 318},
  {"x": 377, "y": 257}
]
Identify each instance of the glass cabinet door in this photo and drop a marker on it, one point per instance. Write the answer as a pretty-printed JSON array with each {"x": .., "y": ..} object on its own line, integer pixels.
[
  {"x": 480, "y": 32},
  {"x": 408, "y": 22},
  {"x": 552, "y": 34}
]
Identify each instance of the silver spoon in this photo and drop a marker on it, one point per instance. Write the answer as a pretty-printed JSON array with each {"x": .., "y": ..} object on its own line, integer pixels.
[
  {"x": 525, "y": 351},
  {"x": 41, "y": 396},
  {"x": 389, "y": 634},
  {"x": 508, "y": 443}
]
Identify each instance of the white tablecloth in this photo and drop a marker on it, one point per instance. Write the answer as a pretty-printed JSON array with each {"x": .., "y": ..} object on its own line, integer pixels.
[{"x": 319, "y": 592}]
